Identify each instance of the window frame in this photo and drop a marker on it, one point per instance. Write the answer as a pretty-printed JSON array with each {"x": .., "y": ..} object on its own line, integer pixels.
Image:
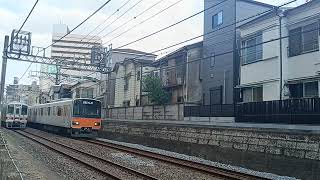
[
  {"x": 213, "y": 26},
  {"x": 244, "y": 45},
  {"x": 292, "y": 53}
]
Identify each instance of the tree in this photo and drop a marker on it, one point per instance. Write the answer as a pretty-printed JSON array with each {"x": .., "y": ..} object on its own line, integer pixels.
[{"x": 153, "y": 86}]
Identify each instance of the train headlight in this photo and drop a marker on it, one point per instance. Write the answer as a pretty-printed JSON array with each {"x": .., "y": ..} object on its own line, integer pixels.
[
  {"x": 97, "y": 124},
  {"x": 75, "y": 123}
]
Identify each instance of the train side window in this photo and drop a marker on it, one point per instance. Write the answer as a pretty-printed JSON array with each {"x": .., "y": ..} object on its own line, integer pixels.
[
  {"x": 59, "y": 111},
  {"x": 65, "y": 111},
  {"x": 49, "y": 111},
  {"x": 41, "y": 111}
]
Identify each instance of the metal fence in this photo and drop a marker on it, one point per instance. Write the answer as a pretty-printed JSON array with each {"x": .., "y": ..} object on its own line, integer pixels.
[
  {"x": 289, "y": 111},
  {"x": 216, "y": 110}
]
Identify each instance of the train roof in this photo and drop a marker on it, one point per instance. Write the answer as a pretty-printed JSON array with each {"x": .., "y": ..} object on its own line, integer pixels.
[
  {"x": 63, "y": 101},
  {"x": 16, "y": 102}
]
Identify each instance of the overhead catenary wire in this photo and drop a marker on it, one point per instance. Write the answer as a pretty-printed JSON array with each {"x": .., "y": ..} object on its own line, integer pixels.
[
  {"x": 81, "y": 23},
  {"x": 172, "y": 25},
  {"x": 207, "y": 57},
  {"x": 25, "y": 20},
  {"x": 154, "y": 15}
]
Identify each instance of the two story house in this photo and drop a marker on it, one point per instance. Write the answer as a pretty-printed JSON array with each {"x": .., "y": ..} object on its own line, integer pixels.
[{"x": 281, "y": 63}]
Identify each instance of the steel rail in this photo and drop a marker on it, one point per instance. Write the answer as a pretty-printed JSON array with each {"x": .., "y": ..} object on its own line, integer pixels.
[
  {"x": 126, "y": 169},
  {"x": 216, "y": 171}
]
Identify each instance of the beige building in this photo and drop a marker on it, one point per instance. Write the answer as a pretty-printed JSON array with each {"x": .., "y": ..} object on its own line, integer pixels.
[{"x": 128, "y": 81}]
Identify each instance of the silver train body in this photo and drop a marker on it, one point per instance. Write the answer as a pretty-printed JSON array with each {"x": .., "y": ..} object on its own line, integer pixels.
[
  {"x": 76, "y": 118},
  {"x": 14, "y": 115}
]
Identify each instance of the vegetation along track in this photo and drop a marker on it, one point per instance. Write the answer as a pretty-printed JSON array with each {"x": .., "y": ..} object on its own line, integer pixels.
[
  {"x": 63, "y": 149},
  {"x": 216, "y": 171}
]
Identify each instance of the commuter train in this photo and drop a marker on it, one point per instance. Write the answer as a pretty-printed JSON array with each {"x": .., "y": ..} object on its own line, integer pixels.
[
  {"x": 14, "y": 115},
  {"x": 77, "y": 117}
]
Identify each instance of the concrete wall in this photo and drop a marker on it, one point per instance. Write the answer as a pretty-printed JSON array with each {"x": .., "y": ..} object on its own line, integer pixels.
[
  {"x": 167, "y": 112},
  {"x": 286, "y": 153}
]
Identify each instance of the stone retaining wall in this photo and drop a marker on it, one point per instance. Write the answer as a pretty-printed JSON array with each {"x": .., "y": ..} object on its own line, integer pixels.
[{"x": 304, "y": 145}]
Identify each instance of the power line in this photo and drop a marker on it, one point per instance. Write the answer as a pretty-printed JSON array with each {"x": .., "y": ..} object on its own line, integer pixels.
[
  {"x": 172, "y": 25},
  {"x": 161, "y": 11},
  {"x": 86, "y": 19},
  {"x": 133, "y": 18},
  {"x": 245, "y": 19},
  {"x": 208, "y": 57},
  {"x": 34, "y": 5}
]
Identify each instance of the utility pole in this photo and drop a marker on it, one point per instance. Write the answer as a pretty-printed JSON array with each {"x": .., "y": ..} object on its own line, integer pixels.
[{"x": 4, "y": 69}]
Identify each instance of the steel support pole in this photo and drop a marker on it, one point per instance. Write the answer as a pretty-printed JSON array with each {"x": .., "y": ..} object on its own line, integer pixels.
[{"x": 4, "y": 70}]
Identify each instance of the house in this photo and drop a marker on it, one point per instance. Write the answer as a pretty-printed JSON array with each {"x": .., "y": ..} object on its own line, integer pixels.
[
  {"x": 272, "y": 69},
  {"x": 220, "y": 66},
  {"x": 128, "y": 81},
  {"x": 58, "y": 92},
  {"x": 86, "y": 89},
  {"x": 118, "y": 56},
  {"x": 180, "y": 74}
]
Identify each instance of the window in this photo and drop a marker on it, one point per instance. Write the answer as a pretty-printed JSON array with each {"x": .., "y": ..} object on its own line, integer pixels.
[
  {"x": 138, "y": 75},
  {"x": 86, "y": 108},
  {"x": 126, "y": 103},
  {"x": 17, "y": 111},
  {"x": 77, "y": 93},
  {"x": 304, "y": 39},
  {"x": 212, "y": 59},
  {"x": 24, "y": 110},
  {"x": 308, "y": 89},
  {"x": 126, "y": 83},
  {"x": 252, "y": 49},
  {"x": 311, "y": 89},
  {"x": 10, "y": 109},
  {"x": 254, "y": 94},
  {"x": 217, "y": 19},
  {"x": 49, "y": 111},
  {"x": 59, "y": 111},
  {"x": 41, "y": 111},
  {"x": 87, "y": 93}
]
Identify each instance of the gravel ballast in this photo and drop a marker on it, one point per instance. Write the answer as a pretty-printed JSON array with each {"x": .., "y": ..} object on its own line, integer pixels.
[
  {"x": 42, "y": 163},
  {"x": 151, "y": 167},
  {"x": 200, "y": 160}
]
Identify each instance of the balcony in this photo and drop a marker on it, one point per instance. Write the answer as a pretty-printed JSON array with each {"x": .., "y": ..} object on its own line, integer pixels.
[{"x": 173, "y": 82}]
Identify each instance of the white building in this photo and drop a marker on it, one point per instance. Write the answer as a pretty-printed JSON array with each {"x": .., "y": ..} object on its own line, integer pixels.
[
  {"x": 73, "y": 47},
  {"x": 260, "y": 70},
  {"x": 128, "y": 81}
]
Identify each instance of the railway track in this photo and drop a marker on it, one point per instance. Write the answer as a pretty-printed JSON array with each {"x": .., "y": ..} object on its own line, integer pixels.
[
  {"x": 73, "y": 154},
  {"x": 215, "y": 171}
]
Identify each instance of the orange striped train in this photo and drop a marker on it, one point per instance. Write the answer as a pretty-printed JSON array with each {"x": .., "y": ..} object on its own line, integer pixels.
[{"x": 77, "y": 117}]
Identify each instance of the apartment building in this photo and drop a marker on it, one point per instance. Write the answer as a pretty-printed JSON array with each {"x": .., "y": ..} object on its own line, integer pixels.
[
  {"x": 73, "y": 47},
  {"x": 22, "y": 93},
  {"x": 180, "y": 74},
  {"x": 273, "y": 70},
  {"x": 220, "y": 68}
]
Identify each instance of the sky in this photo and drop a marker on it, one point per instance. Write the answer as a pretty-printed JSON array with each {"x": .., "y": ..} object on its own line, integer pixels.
[{"x": 72, "y": 12}]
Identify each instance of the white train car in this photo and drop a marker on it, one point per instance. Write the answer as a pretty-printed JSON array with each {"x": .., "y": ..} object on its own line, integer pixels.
[
  {"x": 14, "y": 115},
  {"x": 78, "y": 117}
]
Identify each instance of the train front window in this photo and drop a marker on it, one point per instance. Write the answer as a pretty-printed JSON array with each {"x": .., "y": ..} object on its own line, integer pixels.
[
  {"x": 24, "y": 110},
  {"x": 10, "y": 109},
  {"x": 87, "y": 108}
]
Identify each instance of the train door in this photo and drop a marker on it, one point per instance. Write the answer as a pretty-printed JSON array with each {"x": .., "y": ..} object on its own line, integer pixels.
[{"x": 17, "y": 112}]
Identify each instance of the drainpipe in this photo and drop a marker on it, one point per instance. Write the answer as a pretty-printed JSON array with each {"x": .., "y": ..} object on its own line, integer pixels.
[
  {"x": 187, "y": 74},
  {"x": 280, "y": 15}
]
